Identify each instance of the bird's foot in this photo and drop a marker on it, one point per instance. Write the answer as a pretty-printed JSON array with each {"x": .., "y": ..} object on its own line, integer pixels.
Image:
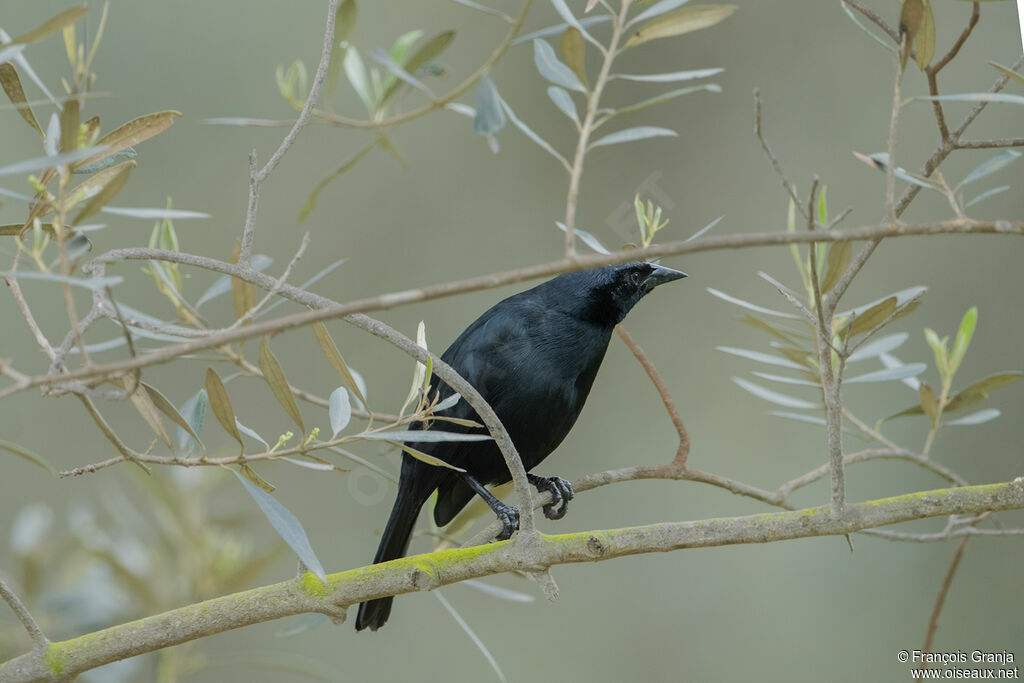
[
  {"x": 508, "y": 515},
  {"x": 561, "y": 494}
]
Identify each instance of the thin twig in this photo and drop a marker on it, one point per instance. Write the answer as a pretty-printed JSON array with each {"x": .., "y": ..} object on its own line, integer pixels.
[
  {"x": 874, "y": 17},
  {"x": 19, "y": 297},
  {"x": 439, "y": 102},
  {"x": 257, "y": 177},
  {"x": 771, "y": 155},
  {"x": 122, "y": 448},
  {"x": 281, "y": 281},
  {"x": 683, "y": 451},
  {"x": 39, "y": 640},
  {"x": 940, "y": 599},
  {"x": 587, "y": 128},
  {"x": 990, "y": 144}
]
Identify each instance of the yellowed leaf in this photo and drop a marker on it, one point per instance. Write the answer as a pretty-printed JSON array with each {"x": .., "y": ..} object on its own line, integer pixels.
[
  {"x": 323, "y": 338},
  {"x": 131, "y": 134},
  {"x": 683, "y": 20},
  {"x": 12, "y": 86},
  {"x": 573, "y": 52},
  {"x": 102, "y": 187},
  {"x": 51, "y": 25},
  {"x": 220, "y": 403},
  {"x": 275, "y": 377}
]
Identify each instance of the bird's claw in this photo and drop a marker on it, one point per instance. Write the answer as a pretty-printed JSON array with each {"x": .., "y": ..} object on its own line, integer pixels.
[
  {"x": 509, "y": 518},
  {"x": 561, "y": 493}
]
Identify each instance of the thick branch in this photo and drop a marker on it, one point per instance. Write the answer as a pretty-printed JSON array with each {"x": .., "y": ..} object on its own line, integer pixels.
[{"x": 66, "y": 659}]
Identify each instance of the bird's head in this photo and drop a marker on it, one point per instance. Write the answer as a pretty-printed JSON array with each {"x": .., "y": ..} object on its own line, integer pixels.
[{"x": 606, "y": 295}]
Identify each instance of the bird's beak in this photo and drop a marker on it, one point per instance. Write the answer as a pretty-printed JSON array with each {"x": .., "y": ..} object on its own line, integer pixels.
[{"x": 661, "y": 275}]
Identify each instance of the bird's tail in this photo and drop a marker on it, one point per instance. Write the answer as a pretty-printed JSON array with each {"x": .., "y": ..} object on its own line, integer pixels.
[{"x": 393, "y": 544}]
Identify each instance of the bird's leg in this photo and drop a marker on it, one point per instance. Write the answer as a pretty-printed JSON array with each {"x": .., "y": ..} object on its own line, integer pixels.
[
  {"x": 561, "y": 494},
  {"x": 507, "y": 514}
]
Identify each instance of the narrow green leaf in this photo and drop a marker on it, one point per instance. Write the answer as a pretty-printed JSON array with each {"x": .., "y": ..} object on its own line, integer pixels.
[
  {"x": 434, "y": 47},
  {"x": 666, "y": 97},
  {"x": 144, "y": 404},
  {"x": 879, "y": 346},
  {"x": 472, "y": 636},
  {"x": 746, "y": 304},
  {"x": 773, "y": 396},
  {"x": 167, "y": 408},
  {"x": 563, "y": 100},
  {"x": 490, "y": 117},
  {"x": 760, "y": 357},
  {"x": 43, "y": 163},
  {"x": 783, "y": 335},
  {"x": 286, "y": 525},
  {"x": 680, "y": 21},
  {"x": 252, "y": 434},
  {"x": 12, "y": 86},
  {"x": 1008, "y": 72},
  {"x": 670, "y": 77},
  {"x": 339, "y": 411},
  {"x": 570, "y": 19},
  {"x": 551, "y": 68},
  {"x": 586, "y": 238},
  {"x": 656, "y": 10},
  {"x": 888, "y": 374},
  {"x": 557, "y": 29},
  {"x": 996, "y": 163},
  {"x": 327, "y": 345},
  {"x": 986, "y": 194},
  {"x": 195, "y": 410},
  {"x": 400, "y": 48},
  {"x": 422, "y": 436},
  {"x": 939, "y": 349},
  {"x": 980, "y": 417},
  {"x": 799, "y": 417},
  {"x": 25, "y": 453},
  {"x": 423, "y": 457},
  {"x": 344, "y": 23},
  {"x": 528, "y": 132},
  {"x": 963, "y": 338},
  {"x": 220, "y": 403},
  {"x": 93, "y": 283},
  {"x": 782, "y": 379},
  {"x": 92, "y": 185},
  {"x": 865, "y": 29},
  {"x": 633, "y": 134},
  {"x": 274, "y": 375},
  {"x": 356, "y": 73},
  {"x": 310, "y": 203}
]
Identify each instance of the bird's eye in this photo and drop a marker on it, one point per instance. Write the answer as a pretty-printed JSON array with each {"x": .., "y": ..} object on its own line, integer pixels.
[{"x": 634, "y": 278}]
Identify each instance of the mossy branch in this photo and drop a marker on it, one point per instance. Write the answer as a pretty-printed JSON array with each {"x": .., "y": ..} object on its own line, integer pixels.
[{"x": 66, "y": 659}]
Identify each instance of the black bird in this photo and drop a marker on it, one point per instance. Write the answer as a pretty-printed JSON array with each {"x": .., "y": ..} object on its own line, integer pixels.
[{"x": 533, "y": 357}]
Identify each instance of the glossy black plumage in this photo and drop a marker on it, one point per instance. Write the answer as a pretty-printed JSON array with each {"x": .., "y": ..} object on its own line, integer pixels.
[{"x": 533, "y": 357}]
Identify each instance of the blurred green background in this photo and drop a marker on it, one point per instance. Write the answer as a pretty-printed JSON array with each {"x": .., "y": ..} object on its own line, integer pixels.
[{"x": 794, "y": 611}]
